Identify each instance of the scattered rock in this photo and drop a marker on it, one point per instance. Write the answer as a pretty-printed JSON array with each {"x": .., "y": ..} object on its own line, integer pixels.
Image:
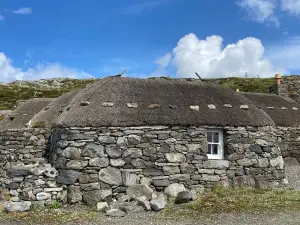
[
  {"x": 173, "y": 189},
  {"x": 115, "y": 213},
  {"x": 101, "y": 206},
  {"x": 139, "y": 190},
  {"x": 17, "y": 206},
  {"x": 142, "y": 201},
  {"x": 183, "y": 197},
  {"x": 158, "y": 203}
]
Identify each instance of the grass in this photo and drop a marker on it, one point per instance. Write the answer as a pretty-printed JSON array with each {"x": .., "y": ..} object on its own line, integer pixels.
[
  {"x": 223, "y": 200},
  {"x": 50, "y": 215},
  {"x": 39, "y": 124},
  {"x": 11, "y": 93},
  {"x": 2, "y": 117}
]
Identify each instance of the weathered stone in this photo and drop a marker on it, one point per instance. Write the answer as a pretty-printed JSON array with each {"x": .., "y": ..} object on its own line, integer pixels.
[
  {"x": 263, "y": 162},
  {"x": 17, "y": 206},
  {"x": 277, "y": 162},
  {"x": 129, "y": 179},
  {"x": 158, "y": 203},
  {"x": 43, "y": 196},
  {"x": 130, "y": 207},
  {"x": 139, "y": 190},
  {"x": 187, "y": 168},
  {"x": 107, "y": 140},
  {"x": 113, "y": 151},
  {"x": 90, "y": 186},
  {"x": 121, "y": 141},
  {"x": 173, "y": 189},
  {"x": 140, "y": 163},
  {"x": 175, "y": 157},
  {"x": 74, "y": 194},
  {"x": 76, "y": 164},
  {"x": 261, "y": 142},
  {"x": 183, "y": 197},
  {"x": 211, "y": 178},
  {"x": 142, "y": 201},
  {"x": 216, "y": 164},
  {"x": 115, "y": 213},
  {"x": 256, "y": 148},
  {"x": 92, "y": 197},
  {"x": 168, "y": 170},
  {"x": 93, "y": 150},
  {"x": 244, "y": 162},
  {"x": 71, "y": 153},
  {"x": 68, "y": 176},
  {"x": 117, "y": 162},
  {"x": 99, "y": 162},
  {"x": 101, "y": 206},
  {"x": 111, "y": 176},
  {"x": 133, "y": 153},
  {"x": 84, "y": 178},
  {"x": 244, "y": 181},
  {"x": 161, "y": 182},
  {"x": 133, "y": 139}
]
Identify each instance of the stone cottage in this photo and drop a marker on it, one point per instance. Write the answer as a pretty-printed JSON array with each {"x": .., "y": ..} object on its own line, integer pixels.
[{"x": 89, "y": 144}]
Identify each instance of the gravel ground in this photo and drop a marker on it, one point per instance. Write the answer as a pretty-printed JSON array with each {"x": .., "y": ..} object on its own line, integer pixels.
[{"x": 146, "y": 218}]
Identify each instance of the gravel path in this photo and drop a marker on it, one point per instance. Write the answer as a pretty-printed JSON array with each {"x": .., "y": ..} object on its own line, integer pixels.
[{"x": 144, "y": 218}]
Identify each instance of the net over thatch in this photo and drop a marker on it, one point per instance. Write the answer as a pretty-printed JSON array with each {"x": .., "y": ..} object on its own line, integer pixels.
[
  {"x": 117, "y": 101},
  {"x": 283, "y": 111},
  {"x": 24, "y": 113},
  {"x": 51, "y": 112}
]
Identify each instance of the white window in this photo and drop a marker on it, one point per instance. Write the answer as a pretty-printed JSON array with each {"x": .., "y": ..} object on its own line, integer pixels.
[{"x": 215, "y": 144}]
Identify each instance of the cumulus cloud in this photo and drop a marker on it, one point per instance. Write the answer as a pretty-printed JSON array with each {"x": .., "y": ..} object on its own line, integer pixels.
[
  {"x": 164, "y": 61},
  {"x": 42, "y": 71},
  {"x": 291, "y": 6},
  {"x": 210, "y": 59},
  {"x": 23, "y": 11},
  {"x": 260, "y": 10}
]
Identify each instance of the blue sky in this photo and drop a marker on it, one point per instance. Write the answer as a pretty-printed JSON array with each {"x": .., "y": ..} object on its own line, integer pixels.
[{"x": 92, "y": 38}]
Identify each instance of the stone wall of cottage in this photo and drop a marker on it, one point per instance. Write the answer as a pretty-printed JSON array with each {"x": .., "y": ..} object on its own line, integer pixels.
[
  {"x": 24, "y": 168},
  {"x": 289, "y": 141},
  {"x": 91, "y": 164}
]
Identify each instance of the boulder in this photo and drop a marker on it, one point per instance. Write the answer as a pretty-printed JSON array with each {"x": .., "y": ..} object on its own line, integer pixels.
[
  {"x": 17, "y": 206},
  {"x": 158, "y": 203},
  {"x": 183, "y": 197},
  {"x": 139, "y": 190},
  {"x": 173, "y": 189},
  {"x": 115, "y": 213},
  {"x": 111, "y": 175}
]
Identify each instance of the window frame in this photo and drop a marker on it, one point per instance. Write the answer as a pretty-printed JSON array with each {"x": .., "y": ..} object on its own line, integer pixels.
[{"x": 220, "y": 154}]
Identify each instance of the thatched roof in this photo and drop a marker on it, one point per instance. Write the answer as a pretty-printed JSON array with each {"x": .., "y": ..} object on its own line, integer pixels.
[
  {"x": 118, "y": 101},
  {"x": 52, "y": 111},
  {"x": 24, "y": 113},
  {"x": 283, "y": 111}
]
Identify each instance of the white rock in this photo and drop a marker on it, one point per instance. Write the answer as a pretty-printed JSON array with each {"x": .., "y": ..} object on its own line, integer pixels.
[
  {"x": 43, "y": 196},
  {"x": 17, "y": 206},
  {"x": 101, "y": 206},
  {"x": 173, "y": 189}
]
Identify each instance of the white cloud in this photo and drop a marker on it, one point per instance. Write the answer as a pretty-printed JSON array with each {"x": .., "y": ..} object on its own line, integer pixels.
[
  {"x": 210, "y": 59},
  {"x": 1, "y": 17},
  {"x": 164, "y": 61},
  {"x": 291, "y": 6},
  {"x": 23, "y": 11},
  {"x": 42, "y": 71},
  {"x": 286, "y": 55},
  {"x": 260, "y": 10}
]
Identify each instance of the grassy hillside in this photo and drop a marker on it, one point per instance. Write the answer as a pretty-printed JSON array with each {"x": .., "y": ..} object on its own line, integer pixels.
[
  {"x": 22, "y": 90},
  {"x": 12, "y": 92}
]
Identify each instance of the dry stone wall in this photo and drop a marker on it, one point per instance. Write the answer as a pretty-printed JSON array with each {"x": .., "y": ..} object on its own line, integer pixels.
[
  {"x": 97, "y": 164},
  {"x": 24, "y": 168},
  {"x": 289, "y": 141}
]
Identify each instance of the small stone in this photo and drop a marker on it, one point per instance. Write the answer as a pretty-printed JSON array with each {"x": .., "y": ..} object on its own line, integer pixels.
[
  {"x": 101, "y": 206},
  {"x": 99, "y": 162},
  {"x": 175, "y": 157},
  {"x": 183, "y": 197},
  {"x": 173, "y": 189},
  {"x": 263, "y": 162},
  {"x": 43, "y": 196},
  {"x": 111, "y": 176},
  {"x": 117, "y": 162},
  {"x": 115, "y": 213},
  {"x": 107, "y": 140},
  {"x": 93, "y": 151},
  {"x": 76, "y": 164},
  {"x": 158, "y": 203},
  {"x": 113, "y": 151},
  {"x": 68, "y": 176},
  {"x": 256, "y": 148},
  {"x": 71, "y": 153}
]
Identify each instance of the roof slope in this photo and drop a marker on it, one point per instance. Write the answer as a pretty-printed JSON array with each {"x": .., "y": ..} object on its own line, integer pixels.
[
  {"x": 24, "y": 113},
  {"x": 283, "y": 111},
  {"x": 173, "y": 96},
  {"x": 50, "y": 113}
]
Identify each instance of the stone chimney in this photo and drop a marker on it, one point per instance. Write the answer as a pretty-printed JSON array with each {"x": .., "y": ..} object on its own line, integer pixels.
[
  {"x": 277, "y": 79},
  {"x": 278, "y": 88}
]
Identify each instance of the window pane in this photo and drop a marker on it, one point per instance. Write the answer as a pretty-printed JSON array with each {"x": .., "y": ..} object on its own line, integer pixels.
[
  {"x": 209, "y": 136},
  {"x": 215, "y": 149},
  {"x": 216, "y": 137},
  {"x": 209, "y": 149}
]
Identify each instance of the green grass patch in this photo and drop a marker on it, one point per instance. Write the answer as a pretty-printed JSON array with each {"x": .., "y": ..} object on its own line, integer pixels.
[
  {"x": 50, "y": 215},
  {"x": 223, "y": 200},
  {"x": 39, "y": 124}
]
